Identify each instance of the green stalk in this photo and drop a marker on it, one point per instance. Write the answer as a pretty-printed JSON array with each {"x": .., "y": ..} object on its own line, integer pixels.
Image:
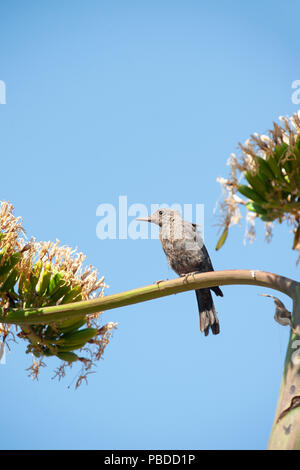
[{"x": 46, "y": 315}]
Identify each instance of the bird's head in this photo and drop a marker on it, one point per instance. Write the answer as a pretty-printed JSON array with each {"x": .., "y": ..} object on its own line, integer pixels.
[{"x": 161, "y": 217}]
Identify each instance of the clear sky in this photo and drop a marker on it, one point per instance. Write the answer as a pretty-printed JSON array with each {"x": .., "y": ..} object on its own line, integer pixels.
[{"x": 146, "y": 99}]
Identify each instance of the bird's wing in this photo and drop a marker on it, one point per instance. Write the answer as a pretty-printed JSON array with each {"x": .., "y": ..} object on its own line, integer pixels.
[
  {"x": 206, "y": 259},
  {"x": 205, "y": 263}
]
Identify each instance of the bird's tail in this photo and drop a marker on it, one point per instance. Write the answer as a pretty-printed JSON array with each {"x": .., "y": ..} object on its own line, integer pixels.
[{"x": 207, "y": 312}]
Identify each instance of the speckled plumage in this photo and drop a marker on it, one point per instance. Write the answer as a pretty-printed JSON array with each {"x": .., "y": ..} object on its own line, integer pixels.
[{"x": 186, "y": 253}]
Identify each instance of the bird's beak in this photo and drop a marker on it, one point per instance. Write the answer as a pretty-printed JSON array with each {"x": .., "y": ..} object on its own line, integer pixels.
[{"x": 144, "y": 219}]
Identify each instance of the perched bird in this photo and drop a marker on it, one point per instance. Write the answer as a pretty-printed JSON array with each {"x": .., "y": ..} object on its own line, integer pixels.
[{"x": 186, "y": 253}]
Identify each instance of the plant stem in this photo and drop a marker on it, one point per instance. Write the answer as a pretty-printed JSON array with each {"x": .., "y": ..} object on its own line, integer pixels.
[
  {"x": 46, "y": 315},
  {"x": 286, "y": 427}
]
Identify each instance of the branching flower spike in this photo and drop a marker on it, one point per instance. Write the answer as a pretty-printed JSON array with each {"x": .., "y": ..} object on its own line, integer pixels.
[
  {"x": 43, "y": 274},
  {"x": 270, "y": 167}
]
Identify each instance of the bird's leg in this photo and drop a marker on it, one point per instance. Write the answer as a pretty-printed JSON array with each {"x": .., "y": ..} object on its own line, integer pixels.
[
  {"x": 193, "y": 274},
  {"x": 185, "y": 277},
  {"x": 189, "y": 274}
]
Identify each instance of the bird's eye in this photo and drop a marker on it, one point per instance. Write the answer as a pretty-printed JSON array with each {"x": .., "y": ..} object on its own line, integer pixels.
[{"x": 160, "y": 212}]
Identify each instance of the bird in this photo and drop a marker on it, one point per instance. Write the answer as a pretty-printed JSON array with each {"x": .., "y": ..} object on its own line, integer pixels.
[{"x": 186, "y": 254}]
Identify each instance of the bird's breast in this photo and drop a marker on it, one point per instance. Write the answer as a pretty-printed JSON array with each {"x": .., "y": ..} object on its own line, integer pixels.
[{"x": 183, "y": 257}]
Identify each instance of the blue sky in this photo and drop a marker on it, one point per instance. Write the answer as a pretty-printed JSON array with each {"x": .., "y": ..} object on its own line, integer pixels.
[{"x": 148, "y": 100}]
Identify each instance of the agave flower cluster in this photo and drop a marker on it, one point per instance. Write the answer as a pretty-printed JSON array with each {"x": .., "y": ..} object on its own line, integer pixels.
[
  {"x": 270, "y": 167},
  {"x": 40, "y": 274}
]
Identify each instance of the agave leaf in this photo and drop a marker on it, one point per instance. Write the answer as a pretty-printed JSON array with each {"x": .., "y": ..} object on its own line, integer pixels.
[
  {"x": 265, "y": 168},
  {"x": 256, "y": 183},
  {"x": 222, "y": 239},
  {"x": 250, "y": 194},
  {"x": 253, "y": 207},
  {"x": 296, "y": 238}
]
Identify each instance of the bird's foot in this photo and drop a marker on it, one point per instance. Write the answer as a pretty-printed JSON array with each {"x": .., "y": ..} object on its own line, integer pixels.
[
  {"x": 185, "y": 276},
  {"x": 189, "y": 274}
]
